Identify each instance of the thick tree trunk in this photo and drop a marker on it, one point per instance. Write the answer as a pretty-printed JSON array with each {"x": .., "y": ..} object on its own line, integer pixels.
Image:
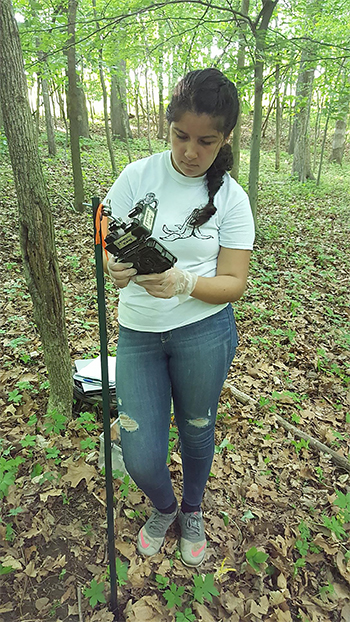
[
  {"x": 338, "y": 143},
  {"x": 236, "y": 134},
  {"x": 302, "y": 160},
  {"x": 119, "y": 114},
  {"x": 264, "y": 18},
  {"x": 73, "y": 109},
  {"x": 35, "y": 220}
]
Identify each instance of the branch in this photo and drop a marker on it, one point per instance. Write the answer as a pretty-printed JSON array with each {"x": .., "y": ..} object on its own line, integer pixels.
[{"x": 313, "y": 442}]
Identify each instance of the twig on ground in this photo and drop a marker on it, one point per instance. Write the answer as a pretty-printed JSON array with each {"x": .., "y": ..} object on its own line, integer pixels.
[
  {"x": 313, "y": 442},
  {"x": 79, "y": 604}
]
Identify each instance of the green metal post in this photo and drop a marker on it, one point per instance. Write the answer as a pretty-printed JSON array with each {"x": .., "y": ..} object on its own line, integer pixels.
[{"x": 101, "y": 299}]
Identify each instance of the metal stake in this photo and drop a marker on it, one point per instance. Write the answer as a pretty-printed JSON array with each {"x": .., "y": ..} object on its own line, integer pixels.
[{"x": 101, "y": 299}]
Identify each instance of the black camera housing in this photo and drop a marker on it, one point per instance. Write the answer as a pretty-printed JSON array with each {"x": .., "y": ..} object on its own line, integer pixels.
[{"x": 131, "y": 241}]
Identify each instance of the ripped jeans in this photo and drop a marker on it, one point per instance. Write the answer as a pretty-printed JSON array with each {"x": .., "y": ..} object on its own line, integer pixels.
[{"x": 189, "y": 365}]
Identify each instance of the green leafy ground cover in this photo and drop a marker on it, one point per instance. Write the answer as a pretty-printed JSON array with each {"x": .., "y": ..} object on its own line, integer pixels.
[{"x": 277, "y": 511}]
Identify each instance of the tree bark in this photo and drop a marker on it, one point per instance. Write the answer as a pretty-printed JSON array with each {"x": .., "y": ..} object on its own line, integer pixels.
[
  {"x": 50, "y": 132},
  {"x": 338, "y": 143},
  {"x": 35, "y": 220},
  {"x": 236, "y": 134},
  {"x": 278, "y": 119},
  {"x": 263, "y": 22},
  {"x": 73, "y": 109},
  {"x": 302, "y": 161},
  {"x": 161, "y": 117},
  {"x": 119, "y": 114},
  {"x": 83, "y": 116}
]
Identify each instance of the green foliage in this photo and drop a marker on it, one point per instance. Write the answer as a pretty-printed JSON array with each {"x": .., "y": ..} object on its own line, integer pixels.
[
  {"x": 5, "y": 569},
  {"x": 204, "y": 588},
  {"x": 186, "y": 616},
  {"x": 255, "y": 558},
  {"x": 8, "y": 471},
  {"x": 55, "y": 422},
  {"x": 122, "y": 571},
  {"x": 95, "y": 593},
  {"x": 173, "y": 595}
]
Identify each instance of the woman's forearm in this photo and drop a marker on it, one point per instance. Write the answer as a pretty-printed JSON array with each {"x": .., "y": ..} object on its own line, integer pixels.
[{"x": 218, "y": 289}]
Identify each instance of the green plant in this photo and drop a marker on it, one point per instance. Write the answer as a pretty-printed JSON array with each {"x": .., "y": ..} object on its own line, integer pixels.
[
  {"x": 225, "y": 444},
  {"x": 326, "y": 589},
  {"x": 5, "y": 569},
  {"x": 255, "y": 558},
  {"x": 95, "y": 593},
  {"x": 204, "y": 588},
  {"x": 186, "y": 616},
  {"x": 87, "y": 421},
  {"x": 54, "y": 422},
  {"x": 8, "y": 472},
  {"x": 302, "y": 444},
  {"x": 173, "y": 595},
  {"x": 15, "y": 396}
]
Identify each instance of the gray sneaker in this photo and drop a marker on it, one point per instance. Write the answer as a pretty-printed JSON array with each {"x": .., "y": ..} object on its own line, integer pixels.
[
  {"x": 151, "y": 535},
  {"x": 193, "y": 542}
]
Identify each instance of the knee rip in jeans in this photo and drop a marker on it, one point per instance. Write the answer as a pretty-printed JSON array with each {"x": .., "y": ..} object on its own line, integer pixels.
[
  {"x": 128, "y": 424},
  {"x": 201, "y": 422}
]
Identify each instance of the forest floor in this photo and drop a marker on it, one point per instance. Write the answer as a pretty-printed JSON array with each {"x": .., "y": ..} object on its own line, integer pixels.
[{"x": 277, "y": 512}]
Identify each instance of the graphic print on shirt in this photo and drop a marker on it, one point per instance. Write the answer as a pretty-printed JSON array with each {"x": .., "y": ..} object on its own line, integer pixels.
[{"x": 184, "y": 231}]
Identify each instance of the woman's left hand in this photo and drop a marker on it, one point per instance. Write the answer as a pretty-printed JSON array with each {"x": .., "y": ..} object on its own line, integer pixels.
[{"x": 173, "y": 282}]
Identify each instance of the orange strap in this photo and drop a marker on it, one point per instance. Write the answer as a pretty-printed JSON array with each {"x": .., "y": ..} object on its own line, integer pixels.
[{"x": 101, "y": 225}]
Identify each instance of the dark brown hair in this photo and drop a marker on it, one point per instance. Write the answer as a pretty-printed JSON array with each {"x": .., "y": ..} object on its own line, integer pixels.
[{"x": 208, "y": 91}]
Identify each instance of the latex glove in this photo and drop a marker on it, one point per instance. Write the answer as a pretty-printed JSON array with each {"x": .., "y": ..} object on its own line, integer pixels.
[
  {"x": 120, "y": 272},
  {"x": 173, "y": 282}
]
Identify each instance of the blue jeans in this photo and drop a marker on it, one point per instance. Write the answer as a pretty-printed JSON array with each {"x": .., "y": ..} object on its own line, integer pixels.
[{"x": 189, "y": 365}]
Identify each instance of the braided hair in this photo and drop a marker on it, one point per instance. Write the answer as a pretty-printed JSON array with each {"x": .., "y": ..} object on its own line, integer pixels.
[{"x": 208, "y": 91}]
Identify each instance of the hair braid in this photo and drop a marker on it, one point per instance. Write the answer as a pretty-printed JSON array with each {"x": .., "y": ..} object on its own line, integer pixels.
[
  {"x": 214, "y": 178},
  {"x": 208, "y": 91}
]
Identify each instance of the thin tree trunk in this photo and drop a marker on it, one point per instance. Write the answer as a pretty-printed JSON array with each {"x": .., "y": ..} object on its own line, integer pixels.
[
  {"x": 148, "y": 113},
  {"x": 236, "y": 134},
  {"x": 278, "y": 119},
  {"x": 50, "y": 132},
  {"x": 83, "y": 116},
  {"x": 266, "y": 14},
  {"x": 160, "y": 134},
  {"x": 73, "y": 109},
  {"x": 35, "y": 220}
]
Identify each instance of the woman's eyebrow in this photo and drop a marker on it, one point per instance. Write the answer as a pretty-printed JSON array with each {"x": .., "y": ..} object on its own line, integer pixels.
[{"x": 182, "y": 132}]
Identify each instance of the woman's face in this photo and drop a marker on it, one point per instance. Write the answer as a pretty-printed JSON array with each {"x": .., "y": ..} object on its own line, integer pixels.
[{"x": 195, "y": 143}]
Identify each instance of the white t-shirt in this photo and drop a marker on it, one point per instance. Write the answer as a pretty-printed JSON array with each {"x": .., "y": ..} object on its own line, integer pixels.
[{"x": 197, "y": 249}]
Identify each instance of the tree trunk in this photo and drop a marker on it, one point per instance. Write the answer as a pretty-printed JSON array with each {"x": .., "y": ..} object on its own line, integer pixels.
[
  {"x": 50, "y": 132},
  {"x": 338, "y": 143},
  {"x": 278, "y": 119},
  {"x": 35, "y": 220},
  {"x": 83, "y": 116},
  {"x": 236, "y": 134},
  {"x": 302, "y": 160},
  {"x": 264, "y": 18},
  {"x": 119, "y": 114},
  {"x": 148, "y": 114},
  {"x": 160, "y": 134},
  {"x": 73, "y": 109}
]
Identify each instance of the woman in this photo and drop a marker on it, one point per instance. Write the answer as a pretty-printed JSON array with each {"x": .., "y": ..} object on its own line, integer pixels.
[{"x": 177, "y": 335}]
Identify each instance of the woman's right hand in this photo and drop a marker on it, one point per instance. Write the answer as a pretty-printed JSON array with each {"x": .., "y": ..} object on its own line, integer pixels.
[{"x": 120, "y": 272}]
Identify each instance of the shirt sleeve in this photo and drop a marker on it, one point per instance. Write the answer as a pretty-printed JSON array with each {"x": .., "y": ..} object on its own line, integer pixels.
[
  {"x": 121, "y": 195},
  {"x": 237, "y": 224}
]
